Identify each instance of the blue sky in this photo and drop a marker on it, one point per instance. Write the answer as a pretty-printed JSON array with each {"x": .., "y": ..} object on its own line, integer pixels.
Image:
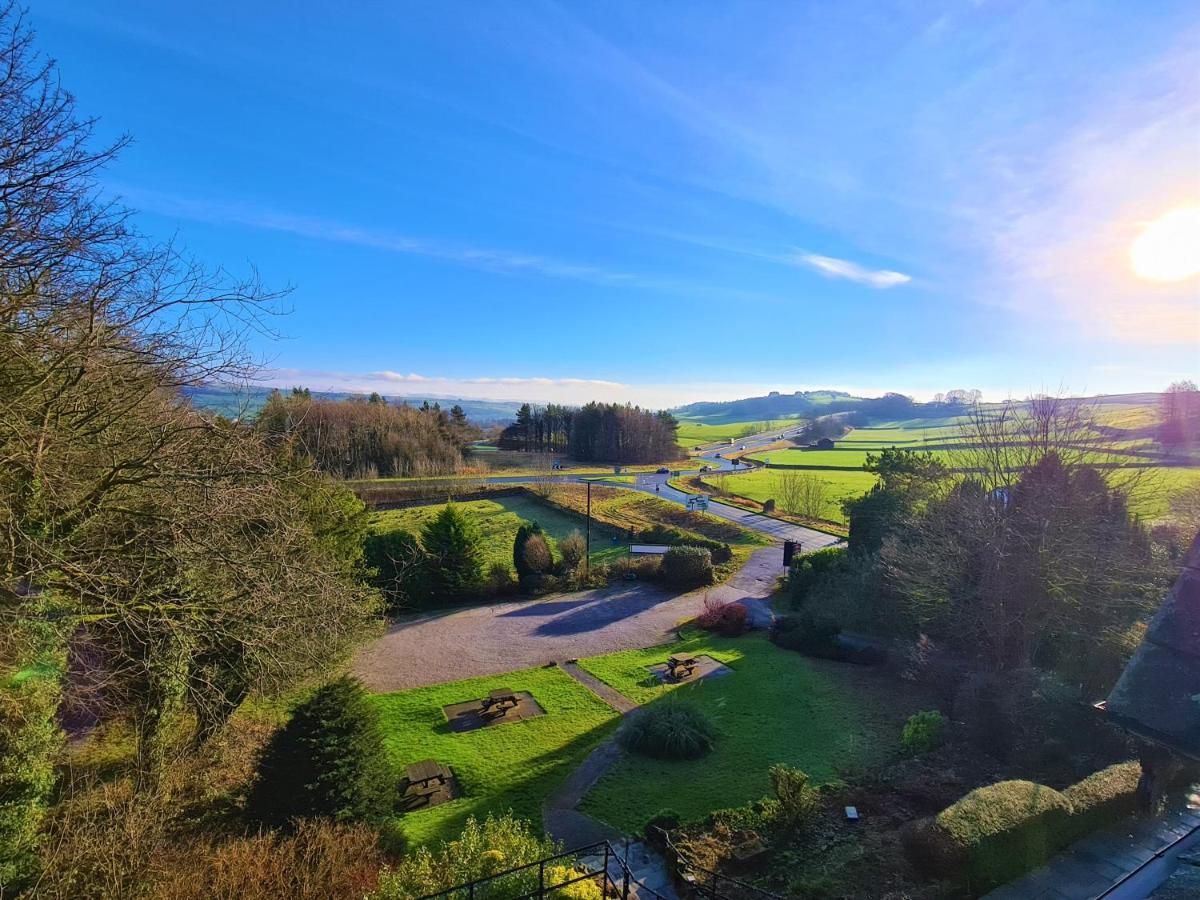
[{"x": 668, "y": 201}]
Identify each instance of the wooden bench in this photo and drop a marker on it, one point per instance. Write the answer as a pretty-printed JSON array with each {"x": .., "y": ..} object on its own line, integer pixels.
[
  {"x": 679, "y": 667},
  {"x": 499, "y": 701}
]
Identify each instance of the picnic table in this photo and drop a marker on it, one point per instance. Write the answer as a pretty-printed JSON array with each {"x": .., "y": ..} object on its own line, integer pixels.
[
  {"x": 499, "y": 701},
  {"x": 681, "y": 666},
  {"x": 425, "y": 772}
]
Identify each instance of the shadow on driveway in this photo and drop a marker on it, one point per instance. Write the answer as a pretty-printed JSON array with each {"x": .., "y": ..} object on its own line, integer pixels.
[{"x": 602, "y": 612}]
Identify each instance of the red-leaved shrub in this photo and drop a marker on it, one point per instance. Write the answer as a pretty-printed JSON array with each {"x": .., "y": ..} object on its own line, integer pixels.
[{"x": 728, "y": 619}]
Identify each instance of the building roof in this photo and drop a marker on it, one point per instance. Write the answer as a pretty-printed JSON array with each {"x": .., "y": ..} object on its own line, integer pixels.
[{"x": 1158, "y": 694}]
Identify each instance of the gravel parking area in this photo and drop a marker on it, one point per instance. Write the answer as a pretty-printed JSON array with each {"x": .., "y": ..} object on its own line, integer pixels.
[{"x": 502, "y": 637}]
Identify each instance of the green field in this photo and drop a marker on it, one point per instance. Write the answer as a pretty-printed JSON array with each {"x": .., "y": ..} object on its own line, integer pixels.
[
  {"x": 761, "y": 485},
  {"x": 498, "y": 521},
  {"x": 693, "y": 431},
  {"x": 511, "y": 766},
  {"x": 776, "y": 707}
]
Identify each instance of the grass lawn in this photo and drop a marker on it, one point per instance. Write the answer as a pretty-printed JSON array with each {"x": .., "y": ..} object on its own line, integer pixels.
[
  {"x": 761, "y": 485},
  {"x": 693, "y": 431},
  {"x": 500, "y": 767},
  {"x": 777, "y": 706},
  {"x": 499, "y": 520}
]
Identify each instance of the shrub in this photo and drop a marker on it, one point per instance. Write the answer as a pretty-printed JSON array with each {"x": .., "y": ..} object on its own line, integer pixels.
[
  {"x": 520, "y": 562},
  {"x": 1103, "y": 798},
  {"x": 573, "y": 548},
  {"x": 327, "y": 761},
  {"x": 687, "y": 566},
  {"x": 675, "y": 729},
  {"x": 536, "y": 556},
  {"x": 993, "y": 834},
  {"x": 807, "y": 634},
  {"x": 664, "y": 534},
  {"x": 320, "y": 860},
  {"x": 798, "y": 800},
  {"x": 499, "y": 580},
  {"x": 399, "y": 565},
  {"x": 30, "y": 738},
  {"x": 807, "y": 570},
  {"x": 480, "y": 850},
  {"x": 924, "y": 731},
  {"x": 643, "y": 568},
  {"x": 728, "y": 619}
]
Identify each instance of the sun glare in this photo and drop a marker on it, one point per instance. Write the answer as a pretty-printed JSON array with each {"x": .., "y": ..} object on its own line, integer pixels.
[{"x": 1169, "y": 247}]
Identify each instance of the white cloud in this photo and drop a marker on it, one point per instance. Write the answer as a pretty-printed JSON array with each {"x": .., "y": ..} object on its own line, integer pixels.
[
  {"x": 832, "y": 267},
  {"x": 501, "y": 261}
]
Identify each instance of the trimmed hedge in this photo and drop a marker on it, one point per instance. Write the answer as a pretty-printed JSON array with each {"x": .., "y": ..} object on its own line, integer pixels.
[
  {"x": 664, "y": 534},
  {"x": 687, "y": 567},
  {"x": 999, "y": 832},
  {"x": 993, "y": 834},
  {"x": 1103, "y": 798}
]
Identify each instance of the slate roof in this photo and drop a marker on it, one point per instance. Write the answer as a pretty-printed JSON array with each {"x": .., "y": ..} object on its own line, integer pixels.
[{"x": 1158, "y": 694}]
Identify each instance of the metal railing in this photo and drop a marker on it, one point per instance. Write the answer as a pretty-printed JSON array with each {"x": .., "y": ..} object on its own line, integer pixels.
[
  {"x": 493, "y": 886},
  {"x": 713, "y": 885}
]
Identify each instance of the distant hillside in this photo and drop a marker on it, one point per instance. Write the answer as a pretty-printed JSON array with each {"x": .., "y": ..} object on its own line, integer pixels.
[
  {"x": 1126, "y": 411},
  {"x": 245, "y": 402},
  {"x": 776, "y": 405}
]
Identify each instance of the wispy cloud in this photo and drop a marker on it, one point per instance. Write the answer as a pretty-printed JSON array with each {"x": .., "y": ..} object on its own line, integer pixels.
[
  {"x": 489, "y": 259},
  {"x": 832, "y": 267}
]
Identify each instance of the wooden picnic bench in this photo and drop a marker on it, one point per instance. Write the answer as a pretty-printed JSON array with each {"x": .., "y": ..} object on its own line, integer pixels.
[
  {"x": 499, "y": 701},
  {"x": 427, "y": 775},
  {"x": 681, "y": 666}
]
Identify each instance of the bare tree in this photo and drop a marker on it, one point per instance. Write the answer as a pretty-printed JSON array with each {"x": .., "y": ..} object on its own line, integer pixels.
[{"x": 803, "y": 494}]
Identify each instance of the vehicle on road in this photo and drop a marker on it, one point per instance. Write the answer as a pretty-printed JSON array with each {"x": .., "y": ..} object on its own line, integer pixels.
[
  {"x": 664, "y": 471},
  {"x": 743, "y": 447},
  {"x": 706, "y": 468}
]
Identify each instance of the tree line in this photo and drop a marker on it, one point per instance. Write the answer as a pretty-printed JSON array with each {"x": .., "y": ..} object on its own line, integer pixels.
[
  {"x": 595, "y": 432},
  {"x": 366, "y": 437}
]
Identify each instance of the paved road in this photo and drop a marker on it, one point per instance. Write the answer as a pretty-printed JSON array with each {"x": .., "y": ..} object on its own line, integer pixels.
[
  {"x": 713, "y": 457},
  {"x": 500, "y": 637}
]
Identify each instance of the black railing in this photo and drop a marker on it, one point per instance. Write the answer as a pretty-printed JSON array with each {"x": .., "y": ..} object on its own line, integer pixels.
[
  {"x": 510, "y": 884},
  {"x": 709, "y": 884}
]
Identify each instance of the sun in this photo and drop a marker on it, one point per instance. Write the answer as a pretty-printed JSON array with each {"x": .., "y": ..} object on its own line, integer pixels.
[{"x": 1169, "y": 247}]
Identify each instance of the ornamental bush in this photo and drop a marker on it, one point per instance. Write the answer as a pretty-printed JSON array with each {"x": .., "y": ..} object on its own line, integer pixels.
[
  {"x": 672, "y": 729},
  {"x": 798, "y": 800},
  {"x": 727, "y": 619},
  {"x": 327, "y": 761},
  {"x": 521, "y": 561},
  {"x": 924, "y": 731},
  {"x": 496, "y": 845},
  {"x": 687, "y": 567},
  {"x": 573, "y": 548}
]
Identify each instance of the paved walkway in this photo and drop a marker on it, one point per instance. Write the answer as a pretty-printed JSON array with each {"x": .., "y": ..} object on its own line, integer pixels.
[
  {"x": 1123, "y": 863},
  {"x": 500, "y": 637},
  {"x": 611, "y": 696}
]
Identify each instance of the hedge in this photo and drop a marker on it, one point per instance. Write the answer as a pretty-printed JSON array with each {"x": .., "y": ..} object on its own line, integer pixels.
[
  {"x": 1103, "y": 798},
  {"x": 999, "y": 832},
  {"x": 993, "y": 834},
  {"x": 664, "y": 534}
]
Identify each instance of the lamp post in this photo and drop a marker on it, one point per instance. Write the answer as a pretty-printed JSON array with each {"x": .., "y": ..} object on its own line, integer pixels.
[{"x": 587, "y": 553}]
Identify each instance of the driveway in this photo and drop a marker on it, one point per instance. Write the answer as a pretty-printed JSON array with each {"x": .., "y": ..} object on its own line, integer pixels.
[{"x": 502, "y": 637}]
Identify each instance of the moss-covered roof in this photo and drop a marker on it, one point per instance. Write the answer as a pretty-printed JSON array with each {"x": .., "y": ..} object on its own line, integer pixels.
[{"x": 1158, "y": 695}]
